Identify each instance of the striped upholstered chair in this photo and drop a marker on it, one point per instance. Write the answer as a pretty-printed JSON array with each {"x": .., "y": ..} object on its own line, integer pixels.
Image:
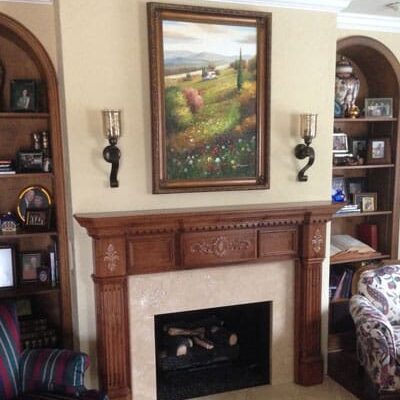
[{"x": 39, "y": 374}]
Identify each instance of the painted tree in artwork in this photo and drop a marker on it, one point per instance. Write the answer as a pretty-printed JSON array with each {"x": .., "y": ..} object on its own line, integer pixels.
[{"x": 240, "y": 73}]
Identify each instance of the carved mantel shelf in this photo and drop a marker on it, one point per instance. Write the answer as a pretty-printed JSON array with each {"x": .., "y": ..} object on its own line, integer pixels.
[{"x": 142, "y": 242}]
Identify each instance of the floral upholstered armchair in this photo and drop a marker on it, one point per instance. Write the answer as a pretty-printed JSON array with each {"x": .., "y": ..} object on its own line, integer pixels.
[
  {"x": 376, "y": 314},
  {"x": 39, "y": 374}
]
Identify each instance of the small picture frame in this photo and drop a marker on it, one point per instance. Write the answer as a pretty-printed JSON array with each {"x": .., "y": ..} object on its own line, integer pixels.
[
  {"x": 379, "y": 107},
  {"x": 367, "y": 202},
  {"x": 379, "y": 151},
  {"x": 37, "y": 218},
  {"x": 340, "y": 143},
  {"x": 7, "y": 267},
  {"x": 23, "y": 93},
  {"x": 339, "y": 183},
  {"x": 33, "y": 197},
  {"x": 356, "y": 185},
  {"x": 29, "y": 161},
  {"x": 30, "y": 264},
  {"x": 359, "y": 147}
]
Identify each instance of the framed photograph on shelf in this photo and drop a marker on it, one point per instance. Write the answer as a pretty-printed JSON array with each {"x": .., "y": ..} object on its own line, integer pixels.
[
  {"x": 7, "y": 267},
  {"x": 356, "y": 185},
  {"x": 33, "y": 197},
  {"x": 359, "y": 148},
  {"x": 340, "y": 143},
  {"x": 29, "y": 161},
  {"x": 339, "y": 189},
  {"x": 37, "y": 218},
  {"x": 379, "y": 151},
  {"x": 210, "y": 80},
  {"x": 379, "y": 107},
  {"x": 367, "y": 202},
  {"x": 29, "y": 265},
  {"x": 23, "y": 95}
]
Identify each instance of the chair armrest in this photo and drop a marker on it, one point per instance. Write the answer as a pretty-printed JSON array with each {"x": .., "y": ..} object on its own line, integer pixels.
[
  {"x": 371, "y": 322},
  {"x": 53, "y": 370},
  {"x": 375, "y": 340}
]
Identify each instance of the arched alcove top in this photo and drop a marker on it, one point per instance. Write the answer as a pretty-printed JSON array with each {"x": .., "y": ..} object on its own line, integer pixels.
[
  {"x": 26, "y": 40},
  {"x": 376, "y": 62}
]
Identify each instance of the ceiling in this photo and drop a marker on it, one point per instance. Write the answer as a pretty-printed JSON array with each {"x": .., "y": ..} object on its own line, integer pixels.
[{"x": 372, "y": 7}]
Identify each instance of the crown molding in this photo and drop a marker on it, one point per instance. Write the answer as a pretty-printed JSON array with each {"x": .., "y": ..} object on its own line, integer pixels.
[
  {"x": 29, "y": 1},
  {"x": 311, "y": 5},
  {"x": 367, "y": 22}
]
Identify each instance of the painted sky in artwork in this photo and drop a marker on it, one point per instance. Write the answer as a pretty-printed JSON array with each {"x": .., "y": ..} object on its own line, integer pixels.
[{"x": 196, "y": 37}]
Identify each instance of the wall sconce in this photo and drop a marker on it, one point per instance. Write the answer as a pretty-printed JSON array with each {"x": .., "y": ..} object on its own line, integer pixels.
[
  {"x": 308, "y": 131},
  {"x": 112, "y": 131}
]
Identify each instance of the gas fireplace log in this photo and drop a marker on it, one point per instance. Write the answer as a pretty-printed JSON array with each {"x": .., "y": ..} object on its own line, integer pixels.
[
  {"x": 220, "y": 335},
  {"x": 186, "y": 332},
  {"x": 178, "y": 345},
  {"x": 205, "y": 343}
]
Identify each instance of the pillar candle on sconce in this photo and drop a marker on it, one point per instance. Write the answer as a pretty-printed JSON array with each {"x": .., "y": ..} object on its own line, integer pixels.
[
  {"x": 308, "y": 132},
  {"x": 112, "y": 132}
]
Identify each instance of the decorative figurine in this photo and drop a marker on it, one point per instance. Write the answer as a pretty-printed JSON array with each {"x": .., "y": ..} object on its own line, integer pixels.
[
  {"x": 347, "y": 86},
  {"x": 353, "y": 112},
  {"x": 46, "y": 152},
  {"x": 339, "y": 196},
  {"x": 36, "y": 141},
  {"x": 8, "y": 223}
]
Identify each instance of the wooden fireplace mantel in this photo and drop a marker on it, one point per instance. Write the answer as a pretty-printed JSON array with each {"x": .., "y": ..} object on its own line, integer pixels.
[{"x": 143, "y": 242}]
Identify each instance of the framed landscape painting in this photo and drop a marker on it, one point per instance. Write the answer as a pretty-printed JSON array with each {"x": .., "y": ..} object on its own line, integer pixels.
[{"x": 210, "y": 80}]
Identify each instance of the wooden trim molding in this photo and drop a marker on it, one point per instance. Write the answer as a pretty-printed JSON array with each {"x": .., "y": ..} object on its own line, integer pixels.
[{"x": 145, "y": 242}]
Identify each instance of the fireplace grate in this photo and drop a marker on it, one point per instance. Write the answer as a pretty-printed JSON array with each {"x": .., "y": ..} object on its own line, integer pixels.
[{"x": 233, "y": 352}]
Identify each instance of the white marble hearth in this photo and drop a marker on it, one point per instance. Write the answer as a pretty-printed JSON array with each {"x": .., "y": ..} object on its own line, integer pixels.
[{"x": 154, "y": 294}]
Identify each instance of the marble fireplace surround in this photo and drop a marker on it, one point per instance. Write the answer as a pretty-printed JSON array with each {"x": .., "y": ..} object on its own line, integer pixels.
[{"x": 187, "y": 245}]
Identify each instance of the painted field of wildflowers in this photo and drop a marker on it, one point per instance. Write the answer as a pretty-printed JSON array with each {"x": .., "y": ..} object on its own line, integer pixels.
[{"x": 211, "y": 124}]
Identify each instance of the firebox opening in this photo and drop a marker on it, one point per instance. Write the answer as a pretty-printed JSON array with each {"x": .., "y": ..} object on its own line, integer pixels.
[{"x": 214, "y": 350}]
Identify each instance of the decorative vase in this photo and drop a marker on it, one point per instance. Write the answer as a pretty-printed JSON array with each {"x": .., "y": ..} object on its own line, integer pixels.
[{"x": 347, "y": 85}]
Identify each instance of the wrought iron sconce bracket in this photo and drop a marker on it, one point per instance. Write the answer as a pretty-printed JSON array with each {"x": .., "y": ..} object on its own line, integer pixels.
[
  {"x": 112, "y": 154},
  {"x": 308, "y": 131},
  {"x": 301, "y": 152},
  {"x": 112, "y": 131}
]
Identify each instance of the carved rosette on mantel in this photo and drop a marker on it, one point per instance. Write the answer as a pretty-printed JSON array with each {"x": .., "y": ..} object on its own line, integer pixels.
[{"x": 151, "y": 241}]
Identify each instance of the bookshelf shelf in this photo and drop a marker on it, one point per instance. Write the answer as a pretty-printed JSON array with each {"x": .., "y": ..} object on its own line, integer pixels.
[
  {"x": 38, "y": 175},
  {"x": 361, "y": 214},
  {"x": 24, "y": 234},
  {"x": 361, "y": 167},
  {"x": 359, "y": 259},
  {"x": 24, "y": 115},
  {"x": 364, "y": 119},
  {"x": 32, "y": 290}
]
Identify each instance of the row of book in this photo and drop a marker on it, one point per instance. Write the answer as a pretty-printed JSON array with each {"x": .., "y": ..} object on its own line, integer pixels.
[
  {"x": 35, "y": 333},
  {"x": 6, "y": 167},
  {"x": 340, "y": 283}
]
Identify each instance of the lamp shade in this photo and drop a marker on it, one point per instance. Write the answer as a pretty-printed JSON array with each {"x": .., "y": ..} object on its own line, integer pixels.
[
  {"x": 112, "y": 123},
  {"x": 308, "y": 126}
]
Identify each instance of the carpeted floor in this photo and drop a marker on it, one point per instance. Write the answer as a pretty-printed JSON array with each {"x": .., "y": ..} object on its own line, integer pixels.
[{"x": 329, "y": 390}]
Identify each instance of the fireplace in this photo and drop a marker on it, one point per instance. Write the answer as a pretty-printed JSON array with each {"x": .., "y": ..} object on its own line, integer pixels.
[
  {"x": 214, "y": 350},
  {"x": 142, "y": 258}
]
